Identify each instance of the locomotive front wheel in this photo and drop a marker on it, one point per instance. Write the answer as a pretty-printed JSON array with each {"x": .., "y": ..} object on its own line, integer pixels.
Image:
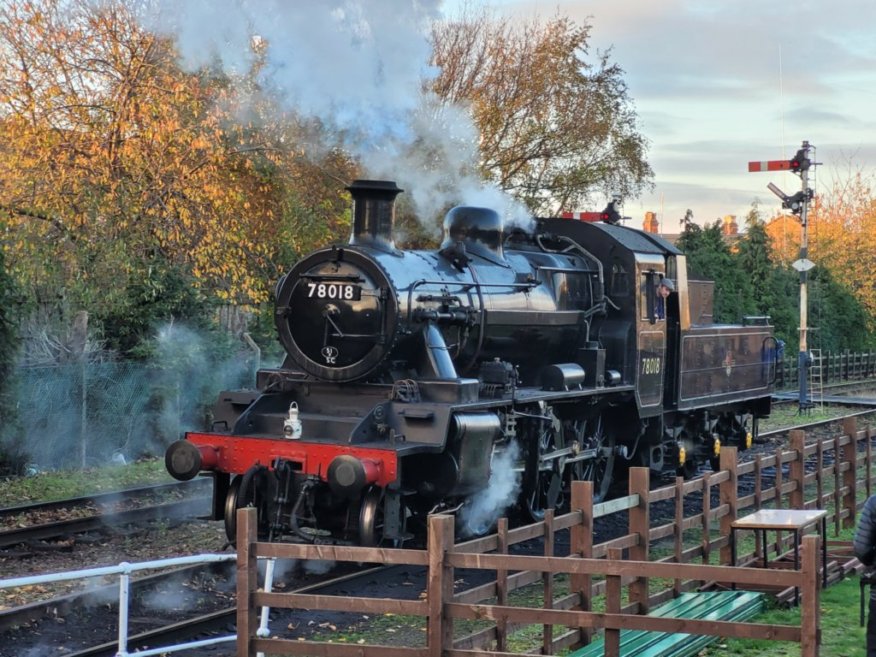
[
  {"x": 248, "y": 489},
  {"x": 371, "y": 519}
]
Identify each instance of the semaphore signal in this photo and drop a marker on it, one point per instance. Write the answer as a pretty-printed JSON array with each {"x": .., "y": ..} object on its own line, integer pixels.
[
  {"x": 800, "y": 162},
  {"x": 798, "y": 204}
]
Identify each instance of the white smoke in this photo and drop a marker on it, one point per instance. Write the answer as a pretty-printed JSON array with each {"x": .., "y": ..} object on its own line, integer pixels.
[
  {"x": 360, "y": 67},
  {"x": 317, "y": 566},
  {"x": 356, "y": 63},
  {"x": 486, "y": 507}
]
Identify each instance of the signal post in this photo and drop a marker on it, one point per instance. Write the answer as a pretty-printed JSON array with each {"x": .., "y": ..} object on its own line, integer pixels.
[{"x": 798, "y": 204}]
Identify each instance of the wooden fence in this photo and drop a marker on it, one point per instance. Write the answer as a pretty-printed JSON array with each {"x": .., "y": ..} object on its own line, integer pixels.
[
  {"x": 836, "y": 366},
  {"x": 661, "y": 561}
]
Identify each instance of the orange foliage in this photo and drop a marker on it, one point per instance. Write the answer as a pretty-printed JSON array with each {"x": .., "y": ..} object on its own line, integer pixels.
[
  {"x": 845, "y": 235},
  {"x": 110, "y": 153},
  {"x": 842, "y": 236},
  {"x": 784, "y": 232}
]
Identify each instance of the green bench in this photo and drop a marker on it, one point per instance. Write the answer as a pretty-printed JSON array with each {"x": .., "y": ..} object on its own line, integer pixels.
[{"x": 711, "y": 605}]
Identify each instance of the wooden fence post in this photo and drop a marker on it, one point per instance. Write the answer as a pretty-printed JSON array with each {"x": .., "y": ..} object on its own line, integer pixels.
[
  {"x": 707, "y": 512},
  {"x": 850, "y": 458},
  {"x": 581, "y": 542},
  {"x": 837, "y": 486},
  {"x": 247, "y": 580},
  {"x": 798, "y": 469},
  {"x": 613, "y": 604},
  {"x": 677, "y": 531},
  {"x": 727, "y": 491},
  {"x": 778, "y": 483},
  {"x": 547, "y": 630},
  {"x": 810, "y": 612},
  {"x": 439, "y": 587},
  {"x": 758, "y": 482},
  {"x": 819, "y": 474},
  {"x": 502, "y": 585},
  {"x": 868, "y": 463},
  {"x": 640, "y": 525}
]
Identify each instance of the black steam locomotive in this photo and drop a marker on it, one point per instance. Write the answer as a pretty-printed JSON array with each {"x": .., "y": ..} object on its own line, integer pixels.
[{"x": 411, "y": 374}]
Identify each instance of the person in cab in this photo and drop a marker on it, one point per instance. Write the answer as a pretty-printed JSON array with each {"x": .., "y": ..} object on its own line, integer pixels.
[{"x": 664, "y": 288}]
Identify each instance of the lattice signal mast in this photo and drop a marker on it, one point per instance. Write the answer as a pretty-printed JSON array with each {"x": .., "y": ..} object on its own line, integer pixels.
[{"x": 798, "y": 204}]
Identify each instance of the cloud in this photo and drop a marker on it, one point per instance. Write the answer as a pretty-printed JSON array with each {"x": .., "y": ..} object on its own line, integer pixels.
[{"x": 718, "y": 84}]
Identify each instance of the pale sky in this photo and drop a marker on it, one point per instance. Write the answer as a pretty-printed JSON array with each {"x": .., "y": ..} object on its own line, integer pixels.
[{"x": 717, "y": 83}]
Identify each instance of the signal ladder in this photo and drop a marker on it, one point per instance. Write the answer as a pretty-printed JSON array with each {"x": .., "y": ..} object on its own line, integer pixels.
[{"x": 816, "y": 378}]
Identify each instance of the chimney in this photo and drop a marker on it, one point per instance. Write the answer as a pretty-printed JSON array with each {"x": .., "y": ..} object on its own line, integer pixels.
[
  {"x": 373, "y": 212},
  {"x": 730, "y": 225},
  {"x": 651, "y": 224}
]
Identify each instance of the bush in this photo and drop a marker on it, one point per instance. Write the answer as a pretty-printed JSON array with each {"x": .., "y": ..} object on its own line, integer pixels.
[{"x": 10, "y": 452}]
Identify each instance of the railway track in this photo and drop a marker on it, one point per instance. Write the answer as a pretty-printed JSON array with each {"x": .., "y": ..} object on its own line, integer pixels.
[
  {"x": 102, "y": 499},
  {"x": 101, "y": 512},
  {"x": 207, "y": 626},
  {"x": 220, "y": 621}
]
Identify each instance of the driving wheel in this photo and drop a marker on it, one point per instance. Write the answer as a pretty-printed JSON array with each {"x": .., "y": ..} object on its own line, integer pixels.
[{"x": 249, "y": 489}]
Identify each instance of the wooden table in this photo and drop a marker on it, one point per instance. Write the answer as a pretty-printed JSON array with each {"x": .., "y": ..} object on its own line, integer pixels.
[{"x": 793, "y": 520}]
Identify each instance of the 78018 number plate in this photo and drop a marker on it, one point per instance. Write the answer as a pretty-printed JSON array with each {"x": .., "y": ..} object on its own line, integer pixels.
[{"x": 339, "y": 291}]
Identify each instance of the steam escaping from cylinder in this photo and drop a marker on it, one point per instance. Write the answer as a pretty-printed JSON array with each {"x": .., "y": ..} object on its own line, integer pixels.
[{"x": 484, "y": 508}]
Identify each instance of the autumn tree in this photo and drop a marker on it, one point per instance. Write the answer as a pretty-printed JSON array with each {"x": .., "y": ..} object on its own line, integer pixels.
[
  {"x": 842, "y": 286},
  {"x": 115, "y": 162},
  {"x": 555, "y": 124},
  {"x": 843, "y": 236},
  {"x": 837, "y": 318},
  {"x": 784, "y": 233},
  {"x": 9, "y": 303},
  {"x": 755, "y": 278}
]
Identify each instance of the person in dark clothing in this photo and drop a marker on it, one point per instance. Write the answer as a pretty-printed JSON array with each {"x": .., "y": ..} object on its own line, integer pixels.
[
  {"x": 865, "y": 550},
  {"x": 664, "y": 289},
  {"x": 780, "y": 363}
]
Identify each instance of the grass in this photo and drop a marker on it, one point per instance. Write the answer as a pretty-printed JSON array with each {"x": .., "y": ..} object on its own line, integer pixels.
[
  {"x": 61, "y": 484},
  {"x": 788, "y": 415},
  {"x": 841, "y": 633}
]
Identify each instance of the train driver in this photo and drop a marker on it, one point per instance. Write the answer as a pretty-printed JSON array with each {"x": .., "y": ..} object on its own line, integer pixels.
[{"x": 664, "y": 288}]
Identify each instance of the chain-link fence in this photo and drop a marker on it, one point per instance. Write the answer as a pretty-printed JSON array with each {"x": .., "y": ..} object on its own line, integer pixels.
[{"x": 83, "y": 414}]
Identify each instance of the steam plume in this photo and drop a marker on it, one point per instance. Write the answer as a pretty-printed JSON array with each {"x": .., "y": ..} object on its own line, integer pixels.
[
  {"x": 360, "y": 67},
  {"x": 487, "y": 506}
]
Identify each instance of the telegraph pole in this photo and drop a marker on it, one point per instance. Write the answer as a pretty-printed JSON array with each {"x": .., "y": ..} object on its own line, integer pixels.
[{"x": 798, "y": 204}]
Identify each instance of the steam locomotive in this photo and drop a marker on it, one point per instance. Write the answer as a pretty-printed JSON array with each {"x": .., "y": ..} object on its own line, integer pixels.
[{"x": 410, "y": 375}]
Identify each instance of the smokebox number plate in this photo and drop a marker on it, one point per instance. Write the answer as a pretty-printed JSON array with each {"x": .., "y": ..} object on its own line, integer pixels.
[{"x": 340, "y": 291}]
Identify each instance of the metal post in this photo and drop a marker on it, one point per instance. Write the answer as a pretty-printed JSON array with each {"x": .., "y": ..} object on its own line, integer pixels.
[
  {"x": 804, "y": 360},
  {"x": 124, "y": 601},
  {"x": 798, "y": 204},
  {"x": 263, "y": 630}
]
